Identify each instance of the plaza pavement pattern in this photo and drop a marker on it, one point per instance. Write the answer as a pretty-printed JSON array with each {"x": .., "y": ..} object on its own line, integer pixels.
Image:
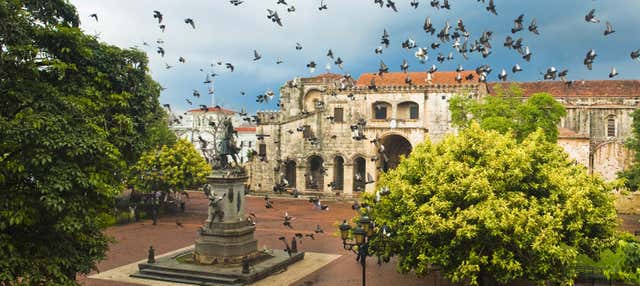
[{"x": 325, "y": 262}]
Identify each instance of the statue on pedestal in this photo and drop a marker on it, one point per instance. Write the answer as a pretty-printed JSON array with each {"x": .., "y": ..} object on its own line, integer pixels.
[{"x": 227, "y": 146}]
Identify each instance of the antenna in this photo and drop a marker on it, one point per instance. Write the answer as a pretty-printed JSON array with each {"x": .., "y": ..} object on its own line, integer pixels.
[{"x": 213, "y": 94}]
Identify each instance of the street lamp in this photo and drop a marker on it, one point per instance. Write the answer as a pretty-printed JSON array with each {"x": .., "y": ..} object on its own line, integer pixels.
[{"x": 361, "y": 235}]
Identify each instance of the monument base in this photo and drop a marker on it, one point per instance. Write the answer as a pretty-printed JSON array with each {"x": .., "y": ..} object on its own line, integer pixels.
[
  {"x": 181, "y": 268},
  {"x": 226, "y": 243}
]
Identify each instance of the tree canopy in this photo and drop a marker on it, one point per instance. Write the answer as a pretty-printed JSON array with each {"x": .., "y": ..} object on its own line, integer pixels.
[
  {"x": 170, "y": 168},
  {"x": 75, "y": 113},
  {"x": 632, "y": 173},
  {"x": 507, "y": 111},
  {"x": 483, "y": 207}
]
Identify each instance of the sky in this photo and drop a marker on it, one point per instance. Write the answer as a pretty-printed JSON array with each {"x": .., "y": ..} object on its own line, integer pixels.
[{"x": 352, "y": 30}]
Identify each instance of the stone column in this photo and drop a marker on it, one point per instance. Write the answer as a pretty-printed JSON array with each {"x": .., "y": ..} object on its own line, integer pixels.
[
  {"x": 329, "y": 177},
  {"x": 371, "y": 169},
  {"x": 348, "y": 179},
  {"x": 301, "y": 182}
]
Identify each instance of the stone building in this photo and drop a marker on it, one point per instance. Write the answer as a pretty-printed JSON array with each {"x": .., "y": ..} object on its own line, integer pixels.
[
  {"x": 598, "y": 120},
  {"x": 310, "y": 141}
]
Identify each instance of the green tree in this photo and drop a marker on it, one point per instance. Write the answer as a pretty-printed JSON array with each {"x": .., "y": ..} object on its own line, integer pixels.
[
  {"x": 632, "y": 173},
  {"x": 75, "y": 113},
  {"x": 170, "y": 168},
  {"x": 506, "y": 111},
  {"x": 483, "y": 207}
]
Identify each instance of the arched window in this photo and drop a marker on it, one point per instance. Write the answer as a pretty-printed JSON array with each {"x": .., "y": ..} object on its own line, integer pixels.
[
  {"x": 359, "y": 174},
  {"x": 290, "y": 173},
  {"x": 380, "y": 110},
  {"x": 408, "y": 110},
  {"x": 311, "y": 99},
  {"x": 611, "y": 126},
  {"x": 315, "y": 173}
]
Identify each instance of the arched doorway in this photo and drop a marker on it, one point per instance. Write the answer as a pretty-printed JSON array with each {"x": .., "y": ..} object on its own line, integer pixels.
[
  {"x": 338, "y": 173},
  {"x": 290, "y": 173},
  {"x": 359, "y": 174},
  {"x": 610, "y": 158},
  {"x": 394, "y": 147},
  {"x": 315, "y": 173}
]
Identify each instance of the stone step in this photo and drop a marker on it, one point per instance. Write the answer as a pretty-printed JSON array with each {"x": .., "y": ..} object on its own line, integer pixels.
[
  {"x": 191, "y": 275},
  {"x": 184, "y": 280}
]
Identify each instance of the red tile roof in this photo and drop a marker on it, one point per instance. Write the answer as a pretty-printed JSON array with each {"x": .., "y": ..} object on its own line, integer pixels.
[
  {"x": 417, "y": 78},
  {"x": 215, "y": 109},
  {"x": 588, "y": 88},
  {"x": 245, "y": 129}
]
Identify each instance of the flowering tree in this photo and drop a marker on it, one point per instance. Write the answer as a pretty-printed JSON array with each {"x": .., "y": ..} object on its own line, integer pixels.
[{"x": 170, "y": 168}]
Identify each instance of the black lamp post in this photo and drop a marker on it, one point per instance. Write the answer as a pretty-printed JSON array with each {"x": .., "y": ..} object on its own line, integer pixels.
[{"x": 361, "y": 235}]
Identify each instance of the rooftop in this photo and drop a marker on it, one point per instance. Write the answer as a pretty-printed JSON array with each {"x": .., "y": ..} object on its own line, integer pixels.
[
  {"x": 417, "y": 78},
  {"x": 248, "y": 129},
  {"x": 582, "y": 88}
]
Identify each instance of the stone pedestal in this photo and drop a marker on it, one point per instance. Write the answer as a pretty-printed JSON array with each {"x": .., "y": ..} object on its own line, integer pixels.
[
  {"x": 226, "y": 239},
  {"x": 226, "y": 243},
  {"x": 225, "y": 249}
]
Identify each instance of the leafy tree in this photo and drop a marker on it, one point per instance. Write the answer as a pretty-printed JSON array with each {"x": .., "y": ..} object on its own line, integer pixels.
[
  {"x": 627, "y": 264},
  {"x": 75, "y": 113},
  {"x": 170, "y": 168},
  {"x": 484, "y": 208},
  {"x": 632, "y": 174},
  {"x": 505, "y": 112}
]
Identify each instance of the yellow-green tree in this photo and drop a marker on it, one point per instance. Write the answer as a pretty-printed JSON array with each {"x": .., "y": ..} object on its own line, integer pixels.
[
  {"x": 170, "y": 168},
  {"x": 484, "y": 207}
]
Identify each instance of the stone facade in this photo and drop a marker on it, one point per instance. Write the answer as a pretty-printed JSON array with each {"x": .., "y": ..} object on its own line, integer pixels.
[
  {"x": 598, "y": 121},
  {"x": 310, "y": 142}
]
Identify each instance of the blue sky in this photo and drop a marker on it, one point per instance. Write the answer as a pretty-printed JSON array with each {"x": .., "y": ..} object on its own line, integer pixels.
[{"x": 352, "y": 29}]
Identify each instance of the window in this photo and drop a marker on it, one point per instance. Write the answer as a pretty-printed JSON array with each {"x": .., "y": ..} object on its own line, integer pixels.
[
  {"x": 262, "y": 150},
  {"x": 338, "y": 113},
  {"x": 611, "y": 126},
  {"x": 307, "y": 133},
  {"x": 249, "y": 142},
  {"x": 380, "y": 111},
  {"x": 413, "y": 111}
]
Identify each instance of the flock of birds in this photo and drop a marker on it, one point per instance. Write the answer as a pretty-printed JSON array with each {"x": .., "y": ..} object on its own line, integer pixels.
[
  {"x": 460, "y": 39},
  {"x": 318, "y": 205},
  {"x": 287, "y": 221}
]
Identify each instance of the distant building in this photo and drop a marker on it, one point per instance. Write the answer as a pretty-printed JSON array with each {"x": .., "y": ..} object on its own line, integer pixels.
[
  {"x": 310, "y": 141},
  {"x": 598, "y": 120},
  {"x": 197, "y": 123}
]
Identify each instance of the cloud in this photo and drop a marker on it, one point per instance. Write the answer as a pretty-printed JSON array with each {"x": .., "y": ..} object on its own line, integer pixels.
[{"x": 352, "y": 29}]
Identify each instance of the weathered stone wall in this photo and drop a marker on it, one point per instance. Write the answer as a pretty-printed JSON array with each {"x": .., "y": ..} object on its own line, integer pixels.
[
  {"x": 610, "y": 158},
  {"x": 577, "y": 148},
  {"x": 589, "y": 115}
]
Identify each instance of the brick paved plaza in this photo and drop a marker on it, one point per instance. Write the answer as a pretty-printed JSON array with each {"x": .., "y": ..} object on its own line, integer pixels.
[{"x": 132, "y": 241}]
